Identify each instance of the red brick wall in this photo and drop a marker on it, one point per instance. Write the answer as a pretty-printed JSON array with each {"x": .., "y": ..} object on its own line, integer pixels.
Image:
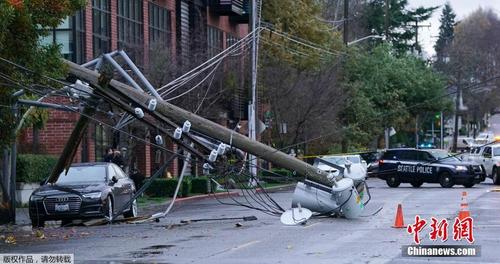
[
  {"x": 114, "y": 24},
  {"x": 223, "y": 23},
  {"x": 89, "y": 53},
  {"x": 54, "y": 136},
  {"x": 143, "y": 156},
  {"x": 145, "y": 23}
]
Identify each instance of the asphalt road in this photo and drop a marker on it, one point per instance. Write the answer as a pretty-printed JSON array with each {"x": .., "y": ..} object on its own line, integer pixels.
[{"x": 369, "y": 239}]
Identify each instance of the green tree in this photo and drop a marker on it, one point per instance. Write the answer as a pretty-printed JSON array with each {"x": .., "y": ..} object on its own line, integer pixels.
[
  {"x": 401, "y": 88},
  {"x": 443, "y": 44},
  {"x": 399, "y": 26},
  {"x": 301, "y": 21},
  {"x": 23, "y": 24}
]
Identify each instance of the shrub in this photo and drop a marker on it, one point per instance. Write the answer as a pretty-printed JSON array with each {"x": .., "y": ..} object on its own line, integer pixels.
[
  {"x": 166, "y": 188},
  {"x": 34, "y": 168},
  {"x": 185, "y": 187},
  {"x": 200, "y": 185}
]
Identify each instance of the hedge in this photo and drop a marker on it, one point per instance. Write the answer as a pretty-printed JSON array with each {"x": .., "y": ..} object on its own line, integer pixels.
[
  {"x": 200, "y": 185},
  {"x": 166, "y": 187},
  {"x": 34, "y": 168}
]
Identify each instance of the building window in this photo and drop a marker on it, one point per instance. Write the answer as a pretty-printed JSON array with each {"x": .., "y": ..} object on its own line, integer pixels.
[
  {"x": 184, "y": 28},
  {"x": 130, "y": 28},
  {"x": 102, "y": 142},
  {"x": 70, "y": 35},
  {"x": 101, "y": 17},
  {"x": 231, "y": 40},
  {"x": 159, "y": 25},
  {"x": 79, "y": 33},
  {"x": 214, "y": 41}
]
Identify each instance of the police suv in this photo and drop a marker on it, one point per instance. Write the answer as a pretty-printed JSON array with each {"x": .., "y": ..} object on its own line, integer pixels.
[{"x": 416, "y": 166}]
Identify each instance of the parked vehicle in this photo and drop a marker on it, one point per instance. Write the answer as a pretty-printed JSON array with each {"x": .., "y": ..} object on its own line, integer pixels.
[
  {"x": 464, "y": 144},
  {"x": 489, "y": 157},
  {"x": 89, "y": 190},
  {"x": 417, "y": 166}
]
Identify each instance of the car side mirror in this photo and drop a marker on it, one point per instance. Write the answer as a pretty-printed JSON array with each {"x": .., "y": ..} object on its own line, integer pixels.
[
  {"x": 465, "y": 142},
  {"x": 114, "y": 179}
]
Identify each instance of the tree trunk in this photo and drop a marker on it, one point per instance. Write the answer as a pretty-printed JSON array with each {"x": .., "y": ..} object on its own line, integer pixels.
[{"x": 5, "y": 212}]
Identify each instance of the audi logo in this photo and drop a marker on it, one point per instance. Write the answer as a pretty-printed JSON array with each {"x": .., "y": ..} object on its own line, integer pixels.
[{"x": 62, "y": 199}]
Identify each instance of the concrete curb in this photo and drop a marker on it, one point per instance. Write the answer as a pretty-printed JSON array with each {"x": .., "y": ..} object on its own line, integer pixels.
[
  {"x": 195, "y": 198},
  {"x": 206, "y": 196},
  {"x": 277, "y": 188}
]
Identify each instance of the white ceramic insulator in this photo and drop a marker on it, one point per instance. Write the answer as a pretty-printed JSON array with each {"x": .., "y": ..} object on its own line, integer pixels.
[
  {"x": 138, "y": 112},
  {"x": 178, "y": 133},
  {"x": 152, "y": 104},
  {"x": 186, "y": 127}
]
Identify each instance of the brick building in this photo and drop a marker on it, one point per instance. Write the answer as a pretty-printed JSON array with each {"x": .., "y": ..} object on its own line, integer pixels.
[{"x": 134, "y": 26}]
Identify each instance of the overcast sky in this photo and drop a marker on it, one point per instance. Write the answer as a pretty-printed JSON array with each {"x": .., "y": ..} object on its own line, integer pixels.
[{"x": 427, "y": 36}]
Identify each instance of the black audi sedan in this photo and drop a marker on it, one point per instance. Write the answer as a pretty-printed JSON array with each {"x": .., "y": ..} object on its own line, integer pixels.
[{"x": 89, "y": 190}]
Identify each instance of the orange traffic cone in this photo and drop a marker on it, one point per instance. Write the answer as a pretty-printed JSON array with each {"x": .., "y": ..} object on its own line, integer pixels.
[
  {"x": 464, "y": 207},
  {"x": 399, "y": 222}
]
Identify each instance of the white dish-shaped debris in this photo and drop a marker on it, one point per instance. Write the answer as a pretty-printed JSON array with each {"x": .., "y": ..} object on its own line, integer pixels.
[{"x": 295, "y": 216}]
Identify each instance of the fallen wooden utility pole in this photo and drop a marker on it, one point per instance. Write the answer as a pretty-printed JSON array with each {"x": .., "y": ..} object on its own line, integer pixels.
[
  {"x": 209, "y": 128},
  {"x": 69, "y": 151}
]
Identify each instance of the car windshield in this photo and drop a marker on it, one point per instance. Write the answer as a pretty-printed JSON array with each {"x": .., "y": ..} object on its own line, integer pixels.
[
  {"x": 443, "y": 155},
  {"x": 83, "y": 174},
  {"x": 342, "y": 160}
]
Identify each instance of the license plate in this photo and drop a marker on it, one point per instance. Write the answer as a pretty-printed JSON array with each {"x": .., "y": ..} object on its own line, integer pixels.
[{"x": 62, "y": 207}]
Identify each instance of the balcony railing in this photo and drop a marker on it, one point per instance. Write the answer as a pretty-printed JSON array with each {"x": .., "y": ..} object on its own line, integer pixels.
[{"x": 228, "y": 7}]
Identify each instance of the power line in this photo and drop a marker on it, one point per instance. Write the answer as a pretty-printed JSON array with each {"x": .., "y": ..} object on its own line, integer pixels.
[
  {"x": 211, "y": 61},
  {"x": 99, "y": 121}
]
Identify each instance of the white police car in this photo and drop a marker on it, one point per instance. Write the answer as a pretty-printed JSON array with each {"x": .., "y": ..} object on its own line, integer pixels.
[{"x": 416, "y": 166}]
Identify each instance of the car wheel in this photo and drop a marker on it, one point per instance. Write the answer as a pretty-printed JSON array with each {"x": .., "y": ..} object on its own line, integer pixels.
[
  {"x": 494, "y": 174},
  {"x": 132, "y": 212},
  {"x": 37, "y": 223},
  {"x": 393, "y": 181},
  {"x": 417, "y": 184},
  {"x": 108, "y": 208},
  {"x": 446, "y": 180}
]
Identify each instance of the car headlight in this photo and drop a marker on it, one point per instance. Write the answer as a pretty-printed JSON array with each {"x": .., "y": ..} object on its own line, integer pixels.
[
  {"x": 35, "y": 198},
  {"x": 92, "y": 195},
  {"x": 461, "y": 168}
]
